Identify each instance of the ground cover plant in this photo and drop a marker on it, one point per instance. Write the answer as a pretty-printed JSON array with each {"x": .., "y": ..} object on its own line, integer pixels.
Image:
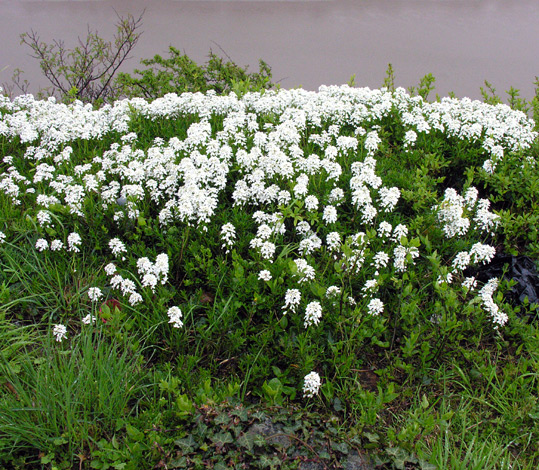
[{"x": 169, "y": 266}]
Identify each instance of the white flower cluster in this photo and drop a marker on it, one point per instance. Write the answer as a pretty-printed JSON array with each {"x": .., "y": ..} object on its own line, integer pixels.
[
  {"x": 153, "y": 273},
  {"x": 291, "y": 300},
  {"x": 305, "y": 272},
  {"x": 175, "y": 316},
  {"x": 453, "y": 210},
  {"x": 183, "y": 180},
  {"x": 94, "y": 294},
  {"x": 228, "y": 236},
  {"x": 73, "y": 243},
  {"x": 313, "y": 314},
  {"x": 311, "y": 384},
  {"x": 487, "y": 291},
  {"x": 59, "y": 332}
]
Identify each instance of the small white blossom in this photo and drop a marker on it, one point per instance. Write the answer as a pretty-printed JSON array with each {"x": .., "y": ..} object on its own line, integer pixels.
[
  {"x": 462, "y": 260},
  {"x": 313, "y": 314},
  {"x": 94, "y": 294},
  {"x": 369, "y": 287},
  {"x": 292, "y": 299},
  {"x": 264, "y": 275},
  {"x": 311, "y": 203},
  {"x": 117, "y": 247},
  {"x": 175, "y": 317},
  {"x": 89, "y": 319},
  {"x": 42, "y": 244},
  {"x": 470, "y": 283},
  {"x": 330, "y": 215},
  {"x": 135, "y": 298},
  {"x": 228, "y": 236},
  {"x": 57, "y": 245},
  {"x": 384, "y": 229},
  {"x": 311, "y": 385},
  {"x": 110, "y": 269},
  {"x": 333, "y": 240},
  {"x": 44, "y": 218},
  {"x": 380, "y": 260},
  {"x": 482, "y": 253},
  {"x": 305, "y": 271},
  {"x": 375, "y": 307},
  {"x": 332, "y": 292},
  {"x": 73, "y": 242},
  {"x": 445, "y": 278},
  {"x": 59, "y": 332}
]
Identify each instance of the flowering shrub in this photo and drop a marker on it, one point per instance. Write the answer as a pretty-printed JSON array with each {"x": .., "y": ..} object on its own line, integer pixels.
[{"x": 298, "y": 223}]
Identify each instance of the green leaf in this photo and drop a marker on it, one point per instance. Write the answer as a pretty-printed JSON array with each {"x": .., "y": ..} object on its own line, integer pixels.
[
  {"x": 247, "y": 441},
  {"x": 222, "y": 438},
  {"x": 222, "y": 418},
  {"x": 134, "y": 433},
  {"x": 187, "y": 444},
  {"x": 341, "y": 447},
  {"x": 241, "y": 413}
]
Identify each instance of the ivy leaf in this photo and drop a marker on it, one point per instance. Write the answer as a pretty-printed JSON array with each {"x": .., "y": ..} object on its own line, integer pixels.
[
  {"x": 222, "y": 438},
  {"x": 222, "y": 418},
  {"x": 247, "y": 440}
]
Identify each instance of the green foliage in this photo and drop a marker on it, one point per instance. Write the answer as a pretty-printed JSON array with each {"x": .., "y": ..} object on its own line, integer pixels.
[
  {"x": 178, "y": 73},
  {"x": 59, "y": 401}
]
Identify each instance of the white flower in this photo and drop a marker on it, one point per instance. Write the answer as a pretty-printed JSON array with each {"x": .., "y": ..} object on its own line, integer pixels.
[
  {"x": 292, "y": 299},
  {"x": 264, "y": 275},
  {"x": 333, "y": 240},
  {"x": 330, "y": 215},
  {"x": 42, "y": 244},
  {"x": 375, "y": 307},
  {"x": 310, "y": 244},
  {"x": 89, "y": 319},
  {"x": 117, "y": 247},
  {"x": 311, "y": 203},
  {"x": 336, "y": 196},
  {"x": 228, "y": 235},
  {"x": 135, "y": 298},
  {"x": 303, "y": 227},
  {"x": 73, "y": 241},
  {"x": 59, "y": 332},
  {"x": 462, "y": 260},
  {"x": 499, "y": 318},
  {"x": 482, "y": 253},
  {"x": 149, "y": 280},
  {"x": 94, "y": 294},
  {"x": 470, "y": 283},
  {"x": 445, "y": 279},
  {"x": 110, "y": 269},
  {"x": 371, "y": 142},
  {"x": 44, "y": 218},
  {"x": 313, "y": 314},
  {"x": 369, "y": 287},
  {"x": 333, "y": 291},
  {"x": 305, "y": 271},
  {"x": 175, "y": 317},
  {"x": 398, "y": 232},
  {"x": 2, "y": 237},
  {"x": 380, "y": 260},
  {"x": 311, "y": 384},
  {"x": 384, "y": 229},
  {"x": 389, "y": 198},
  {"x": 409, "y": 138},
  {"x": 267, "y": 250},
  {"x": 57, "y": 245}
]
